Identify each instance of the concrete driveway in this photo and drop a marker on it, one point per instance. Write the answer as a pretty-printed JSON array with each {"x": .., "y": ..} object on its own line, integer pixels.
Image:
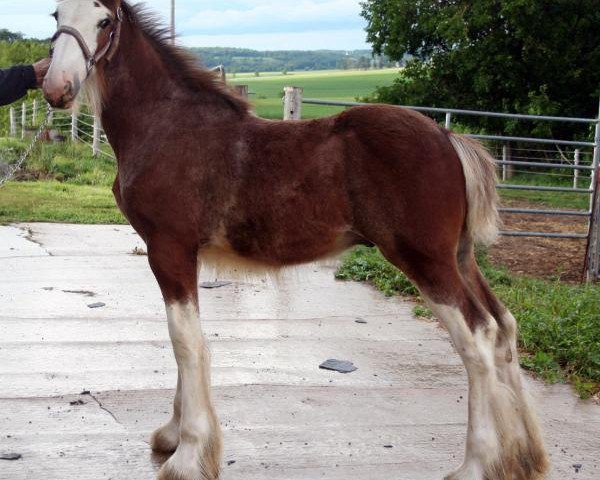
[{"x": 81, "y": 388}]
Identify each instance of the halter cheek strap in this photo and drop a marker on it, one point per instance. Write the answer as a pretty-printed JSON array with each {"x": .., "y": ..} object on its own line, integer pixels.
[{"x": 108, "y": 50}]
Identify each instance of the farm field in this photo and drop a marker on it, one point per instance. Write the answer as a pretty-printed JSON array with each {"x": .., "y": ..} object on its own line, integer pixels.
[{"x": 266, "y": 90}]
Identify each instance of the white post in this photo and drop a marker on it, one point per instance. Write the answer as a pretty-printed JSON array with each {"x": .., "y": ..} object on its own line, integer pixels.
[
  {"x": 504, "y": 169},
  {"x": 242, "y": 91},
  {"x": 23, "y": 119},
  {"x": 292, "y": 103},
  {"x": 575, "y": 170},
  {"x": 96, "y": 138},
  {"x": 448, "y": 120},
  {"x": 74, "y": 132},
  {"x": 13, "y": 122},
  {"x": 35, "y": 112}
]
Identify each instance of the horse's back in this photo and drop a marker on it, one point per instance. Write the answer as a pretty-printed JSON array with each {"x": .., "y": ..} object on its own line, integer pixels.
[{"x": 404, "y": 177}]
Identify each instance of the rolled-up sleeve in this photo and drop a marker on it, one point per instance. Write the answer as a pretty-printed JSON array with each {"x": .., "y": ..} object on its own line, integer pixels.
[{"x": 14, "y": 83}]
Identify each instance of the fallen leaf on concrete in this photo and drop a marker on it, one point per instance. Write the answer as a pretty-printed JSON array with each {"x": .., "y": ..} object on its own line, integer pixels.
[
  {"x": 10, "y": 456},
  {"x": 96, "y": 305},
  {"x": 214, "y": 284},
  {"x": 87, "y": 293},
  {"x": 342, "y": 366}
]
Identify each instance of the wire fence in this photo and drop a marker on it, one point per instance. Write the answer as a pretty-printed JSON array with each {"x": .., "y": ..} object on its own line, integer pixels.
[{"x": 78, "y": 126}]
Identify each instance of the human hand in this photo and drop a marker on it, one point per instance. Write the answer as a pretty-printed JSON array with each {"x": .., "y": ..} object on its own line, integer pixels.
[{"x": 41, "y": 68}]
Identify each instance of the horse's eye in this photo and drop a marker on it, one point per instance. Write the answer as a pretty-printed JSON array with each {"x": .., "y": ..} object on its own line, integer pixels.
[{"x": 104, "y": 23}]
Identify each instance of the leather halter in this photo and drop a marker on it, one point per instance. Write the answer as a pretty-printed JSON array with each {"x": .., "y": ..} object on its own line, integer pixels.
[{"x": 91, "y": 59}]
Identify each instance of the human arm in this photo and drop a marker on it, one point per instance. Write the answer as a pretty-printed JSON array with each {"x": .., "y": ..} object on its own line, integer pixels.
[{"x": 15, "y": 81}]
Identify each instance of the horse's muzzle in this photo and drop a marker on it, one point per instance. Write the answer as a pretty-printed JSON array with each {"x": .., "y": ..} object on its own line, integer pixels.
[{"x": 59, "y": 94}]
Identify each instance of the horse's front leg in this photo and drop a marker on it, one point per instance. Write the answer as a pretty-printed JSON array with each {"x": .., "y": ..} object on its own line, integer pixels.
[
  {"x": 166, "y": 438},
  {"x": 198, "y": 447}
]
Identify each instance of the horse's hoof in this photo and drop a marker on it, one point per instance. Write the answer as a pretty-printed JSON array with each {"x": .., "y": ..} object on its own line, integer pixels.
[
  {"x": 194, "y": 462},
  {"x": 466, "y": 472},
  {"x": 166, "y": 438}
]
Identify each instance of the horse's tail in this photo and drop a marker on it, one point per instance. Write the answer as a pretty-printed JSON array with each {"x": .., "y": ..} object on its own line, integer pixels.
[{"x": 480, "y": 176}]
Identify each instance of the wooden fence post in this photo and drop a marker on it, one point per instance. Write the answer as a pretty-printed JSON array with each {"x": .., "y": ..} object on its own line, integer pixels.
[
  {"x": 23, "y": 119},
  {"x": 96, "y": 137},
  {"x": 292, "y": 103},
  {"x": 74, "y": 132},
  {"x": 592, "y": 254},
  {"x": 13, "y": 122},
  {"x": 242, "y": 90}
]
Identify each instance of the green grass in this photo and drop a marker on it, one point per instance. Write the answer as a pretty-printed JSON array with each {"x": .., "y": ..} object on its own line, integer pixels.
[
  {"x": 346, "y": 85},
  {"x": 65, "y": 162},
  {"x": 73, "y": 186},
  {"x": 52, "y": 201},
  {"x": 559, "y": 324}
]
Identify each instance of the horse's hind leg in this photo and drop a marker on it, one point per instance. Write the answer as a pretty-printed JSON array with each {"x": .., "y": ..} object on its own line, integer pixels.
[
  {"x": 491, "y": 453},
  {"x": 198, "y": 449},
  {"x": 533, "y": 460}
]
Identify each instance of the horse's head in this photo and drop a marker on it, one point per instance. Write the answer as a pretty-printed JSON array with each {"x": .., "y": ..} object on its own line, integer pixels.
[{"x": 87, "y": 32}]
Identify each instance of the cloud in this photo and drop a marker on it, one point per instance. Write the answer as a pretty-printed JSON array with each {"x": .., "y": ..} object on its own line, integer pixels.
[
  {"x": 268, "y": 16},
  {"x": 308, "y": 40},
  {"x": 262, "y": 24}
]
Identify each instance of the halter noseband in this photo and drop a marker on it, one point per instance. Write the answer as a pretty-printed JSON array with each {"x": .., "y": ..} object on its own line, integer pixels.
[{"x": 92, "y": 59}]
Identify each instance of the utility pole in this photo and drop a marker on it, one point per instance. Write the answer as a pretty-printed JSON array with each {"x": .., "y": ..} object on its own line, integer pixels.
[{"x": 173, "y": 21}]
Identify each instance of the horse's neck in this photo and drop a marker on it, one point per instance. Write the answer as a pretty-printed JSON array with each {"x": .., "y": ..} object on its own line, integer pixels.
[
  {"x": 141, "y": 91},
  {"x": 134, "y": 77}
]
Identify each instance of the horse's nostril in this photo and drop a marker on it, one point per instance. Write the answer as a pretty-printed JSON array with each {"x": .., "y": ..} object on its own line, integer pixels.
[{"x": 68, "y": 87}]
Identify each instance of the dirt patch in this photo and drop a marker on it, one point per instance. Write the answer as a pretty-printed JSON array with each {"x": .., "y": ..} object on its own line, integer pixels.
[{"x": 541, "y": 257}]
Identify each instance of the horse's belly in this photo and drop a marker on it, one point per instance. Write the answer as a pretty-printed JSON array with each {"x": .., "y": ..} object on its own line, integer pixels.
[{"x": 267, "y": 256}]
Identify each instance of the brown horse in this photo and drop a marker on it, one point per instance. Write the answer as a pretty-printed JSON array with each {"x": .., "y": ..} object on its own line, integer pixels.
[{"x": 201, "y": 178}]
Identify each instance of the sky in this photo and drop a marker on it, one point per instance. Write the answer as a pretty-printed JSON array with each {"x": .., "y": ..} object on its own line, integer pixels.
[{"x": 256, "y": 24}]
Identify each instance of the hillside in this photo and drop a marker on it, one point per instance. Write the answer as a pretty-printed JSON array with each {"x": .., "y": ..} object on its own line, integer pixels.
[{"x": 246, "y": 60}]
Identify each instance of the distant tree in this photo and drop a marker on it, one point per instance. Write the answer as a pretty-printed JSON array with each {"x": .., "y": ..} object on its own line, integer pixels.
[
  {"x": 8, "y": 36},
  {"x": 363, "y": 63},
  {"x": 535, "y": 56}
]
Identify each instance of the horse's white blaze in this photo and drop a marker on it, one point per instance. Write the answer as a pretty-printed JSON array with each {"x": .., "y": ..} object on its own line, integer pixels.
[
  {"x": 193, "y": 360},
  {"x": 69, "y": 64}
]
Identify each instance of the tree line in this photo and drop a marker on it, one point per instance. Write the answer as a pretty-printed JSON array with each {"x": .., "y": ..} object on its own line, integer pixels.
[
  {"x": 238, "y": 60},
  {"x": 536, "y": 56}
]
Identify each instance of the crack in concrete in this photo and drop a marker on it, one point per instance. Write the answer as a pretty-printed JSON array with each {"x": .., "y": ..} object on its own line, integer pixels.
[
  {"x": 29, "y": 233},
  {"x": 102, "y": 407}
]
